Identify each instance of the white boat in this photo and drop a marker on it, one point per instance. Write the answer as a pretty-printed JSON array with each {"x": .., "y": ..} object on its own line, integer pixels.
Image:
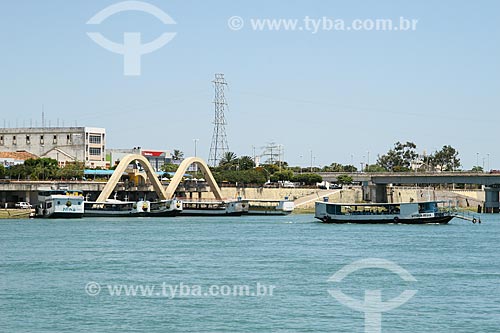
[
  {"x": 114, "y": 208},
  {"x": 164, "y": 208},
  {"x": 268, "y": 207},
  {"x": 202, "y": 207},
  {"x": 428, "y": 212},
  {"x": 60, "y": 204}
]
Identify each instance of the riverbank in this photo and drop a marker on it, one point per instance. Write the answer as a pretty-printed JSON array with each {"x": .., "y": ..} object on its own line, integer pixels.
[{"x": 15, "y": 213}]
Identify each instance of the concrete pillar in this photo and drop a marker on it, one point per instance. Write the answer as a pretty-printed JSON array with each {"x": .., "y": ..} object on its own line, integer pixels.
[
  {"x": 492, "y": 202},
  {"x": 381, "y": 193}
]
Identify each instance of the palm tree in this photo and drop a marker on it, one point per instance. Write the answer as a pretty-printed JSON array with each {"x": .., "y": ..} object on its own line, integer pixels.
[
  {"x": 228, "y": 159},
  {"x": 177, "y": 155}
]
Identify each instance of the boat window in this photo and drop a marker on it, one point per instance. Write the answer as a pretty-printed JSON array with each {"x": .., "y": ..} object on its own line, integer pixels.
[
  {"x": 59, "y": 202},
  {"x": 333, "y": 209}
]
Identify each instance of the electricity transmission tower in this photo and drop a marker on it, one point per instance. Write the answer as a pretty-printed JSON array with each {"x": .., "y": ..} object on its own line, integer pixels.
[{"x": 219, "y": 144}]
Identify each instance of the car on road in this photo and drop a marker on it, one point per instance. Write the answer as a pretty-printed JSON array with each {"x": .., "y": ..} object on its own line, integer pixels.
[{"x": 23, "y": 205}]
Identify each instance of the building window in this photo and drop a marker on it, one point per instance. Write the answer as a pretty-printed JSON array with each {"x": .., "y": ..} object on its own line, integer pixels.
[
  {"x": 28, "y": 141},
  {"x": 95, "y": 139},
  {"x": 1, "y": 140},
  {"x": 94, "y": 151},
  {"x": 41, "y": 140},
  {"x": 14, "y": 140},
  {"x": 54, "y": 139},
  {"x": 68, "y": 139}
]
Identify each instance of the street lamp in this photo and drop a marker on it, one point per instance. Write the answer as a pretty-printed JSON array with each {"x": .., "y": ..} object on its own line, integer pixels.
[
  {"x": 477, "y": 159},
  {"x": 195, "y": 165},
  {"x": 488, "y": 165},
  {"x": 311, "y": 160}
]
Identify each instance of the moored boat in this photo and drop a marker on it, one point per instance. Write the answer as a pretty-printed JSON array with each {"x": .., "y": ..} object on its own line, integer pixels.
[
  {"x": 164, "y": 208},
  {"x": 114, "y": 208},
  {"x": 429, "y": 212},
  {"x": 211, "y": 208},
  {"x": 268, "y": 207},
  {"x": 60, "y": 204}
]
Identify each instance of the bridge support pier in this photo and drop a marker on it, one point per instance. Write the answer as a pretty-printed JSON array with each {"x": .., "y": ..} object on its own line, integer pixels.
[
  {"x": 375, "y": 193},
  {"x": 492, "y": 202}
]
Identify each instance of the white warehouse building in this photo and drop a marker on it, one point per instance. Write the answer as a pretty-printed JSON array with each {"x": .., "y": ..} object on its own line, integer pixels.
[{"x": 64, "y": 144}]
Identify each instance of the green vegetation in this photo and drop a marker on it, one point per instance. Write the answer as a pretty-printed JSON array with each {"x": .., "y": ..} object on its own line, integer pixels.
[
  {"x": 44, "y": 169},
  {"x": 337, "y": 167},
  {"x": 169, "y": 167},
  {"x": 477, "y": 168},
  {"x": 242, "y": 170},
  {"x": 177, "y": 155},
  {"x": 399, "y": 158},
  {"x": 344, "y": 179}
]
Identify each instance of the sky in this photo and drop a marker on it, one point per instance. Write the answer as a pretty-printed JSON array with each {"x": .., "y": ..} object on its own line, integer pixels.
[{"x": 342, "y": 95}]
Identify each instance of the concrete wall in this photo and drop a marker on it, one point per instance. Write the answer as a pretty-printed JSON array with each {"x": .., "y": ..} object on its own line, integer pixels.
[{"x": 463, "y": 198}]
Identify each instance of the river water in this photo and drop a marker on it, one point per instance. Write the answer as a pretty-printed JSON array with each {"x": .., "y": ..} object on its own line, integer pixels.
[{"x": 246, "y": 274}]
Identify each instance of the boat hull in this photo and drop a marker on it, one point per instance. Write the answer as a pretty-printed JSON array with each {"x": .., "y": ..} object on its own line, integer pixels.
[
  {"x": 64, "y": 215},
  {"x": 429, "y": 220},
  {"x": 209, "y": 212},
  {"x": 167, "y": 213},
  {"x": 267, "y": 212},
  {"x": 97, "y": 213}
]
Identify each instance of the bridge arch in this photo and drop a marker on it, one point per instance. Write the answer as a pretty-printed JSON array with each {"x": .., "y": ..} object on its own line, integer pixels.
[
  {"x": 120, "y": 169},
  {"x": 151, "y": 175},
  {"x": 203, "y": 167}
]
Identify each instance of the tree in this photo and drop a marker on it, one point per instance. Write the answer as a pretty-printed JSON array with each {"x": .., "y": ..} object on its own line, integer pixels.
[
  {"x": 177, "y": 155},
  {"x": 2, "y": 171},
  {"x": 71, "y": 170},
  {"x": 399, "y": 158},
  {"x": 169, "y": 167},
  {"x": 446, "y": 159},
  {"x": 307, "y": 178},
  {"x": 477, "y": 168},
  {"x": 246, "y": 163},
  {"x": 375, "y": 168},
  {"x": 349, "y": 168},
  {"x": 344, "y": 179},
  {"x": 284, "y": 175},
  {"x": 228, "y": 160},
  {"x": 41, "y": 168}
]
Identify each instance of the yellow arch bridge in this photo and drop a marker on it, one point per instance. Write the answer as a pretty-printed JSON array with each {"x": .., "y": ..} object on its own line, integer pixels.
[{"x": 162, "y": 193}]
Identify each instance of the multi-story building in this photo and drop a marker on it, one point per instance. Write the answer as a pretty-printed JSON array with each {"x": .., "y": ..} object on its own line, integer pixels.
[
  {"x": 64, "y": 144},
  {"x": 157, "y": 158}
]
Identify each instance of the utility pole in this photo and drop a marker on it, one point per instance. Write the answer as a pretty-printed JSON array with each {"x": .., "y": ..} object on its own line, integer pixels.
[{"x": 219, "y": 144}]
